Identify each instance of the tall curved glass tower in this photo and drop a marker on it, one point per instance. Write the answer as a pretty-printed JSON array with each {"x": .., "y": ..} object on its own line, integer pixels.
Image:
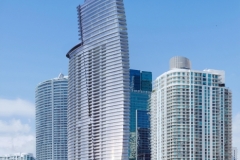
[
  {"x": 51, "y": 119},
  {"x": 98, "y": 100}
]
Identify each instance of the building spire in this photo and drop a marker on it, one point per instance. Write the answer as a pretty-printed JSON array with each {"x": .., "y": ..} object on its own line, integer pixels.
[
  {"x": 61, "y": 76},
  {"x": 179, "y": 62}
]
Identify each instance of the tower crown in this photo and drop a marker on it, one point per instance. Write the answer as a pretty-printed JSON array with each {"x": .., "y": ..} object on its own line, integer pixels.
[{"x": 179, "y": 62}]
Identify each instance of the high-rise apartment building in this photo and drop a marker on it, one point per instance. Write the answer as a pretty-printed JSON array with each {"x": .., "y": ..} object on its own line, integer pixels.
[
  {"x": 191, "y": 114},
  {"x": 51, "y": 119},
  {"x": 98, "y": 100},
  {"x": 234, "y": 153},
  {"x": 18, "y": 156},
  {"x": 140, "y": 91}
]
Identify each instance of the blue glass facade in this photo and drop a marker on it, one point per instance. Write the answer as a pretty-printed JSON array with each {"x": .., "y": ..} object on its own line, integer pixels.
[
  {"x": 140, "y": 80},
  {"x": 141, "y": 87},
  {"x": 138, "y": 101},
  {"x": 135, "y": 83},
  {"x": 143, "y": 135},
  {"x": 146, "y": 81}
]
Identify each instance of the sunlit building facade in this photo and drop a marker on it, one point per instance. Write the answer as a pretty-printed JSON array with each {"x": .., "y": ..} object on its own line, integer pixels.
[
  {"x": 140, "y": 91},
  {"x": 191, "y": 114},
  {"x": 51, "y": 119},
  {"x": 99, "y": 98}
]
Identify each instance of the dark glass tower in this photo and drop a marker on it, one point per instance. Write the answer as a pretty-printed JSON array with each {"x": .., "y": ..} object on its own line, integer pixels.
[
  {"x": 141, "y": 87},
  {"x": 140, "y": 80}
]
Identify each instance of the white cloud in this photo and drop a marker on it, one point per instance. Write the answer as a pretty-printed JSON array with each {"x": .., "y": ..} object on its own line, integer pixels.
[
  {"x": 236, "y": 132},
  {"x": 13, "y": 126},
  {"x": 16, "y": 107},
  {"x": 11, "y": 144},
  {"x": 16, "y": 137}
]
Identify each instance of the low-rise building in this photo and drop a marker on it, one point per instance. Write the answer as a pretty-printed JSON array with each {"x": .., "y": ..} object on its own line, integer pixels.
[{"x": 18, "y": 156}]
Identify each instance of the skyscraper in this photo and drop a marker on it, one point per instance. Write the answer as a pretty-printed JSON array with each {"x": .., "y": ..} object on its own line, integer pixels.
[
  {"x": 51, "y": 119},
  {"x": 140, "y": 91},
  {"x": 191, "y": 114},
  {"x": 98, "y": 100}
]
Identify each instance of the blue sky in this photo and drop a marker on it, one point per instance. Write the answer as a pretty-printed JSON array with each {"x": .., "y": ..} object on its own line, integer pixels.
[{"x": 36, "y": 35}]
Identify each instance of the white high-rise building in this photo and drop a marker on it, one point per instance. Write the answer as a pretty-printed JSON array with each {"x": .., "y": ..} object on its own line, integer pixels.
[
  {"x": 191, "y": 114},
  {"x": 51, "y": 119},
  {"x": 18, "y": 156},
  {"x": 234, "y": 153},
  {"x": 98, "y": 100}
]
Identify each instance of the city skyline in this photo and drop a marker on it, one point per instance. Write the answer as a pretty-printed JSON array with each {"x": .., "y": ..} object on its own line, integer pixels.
[{"x": 202, "y": 38}]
